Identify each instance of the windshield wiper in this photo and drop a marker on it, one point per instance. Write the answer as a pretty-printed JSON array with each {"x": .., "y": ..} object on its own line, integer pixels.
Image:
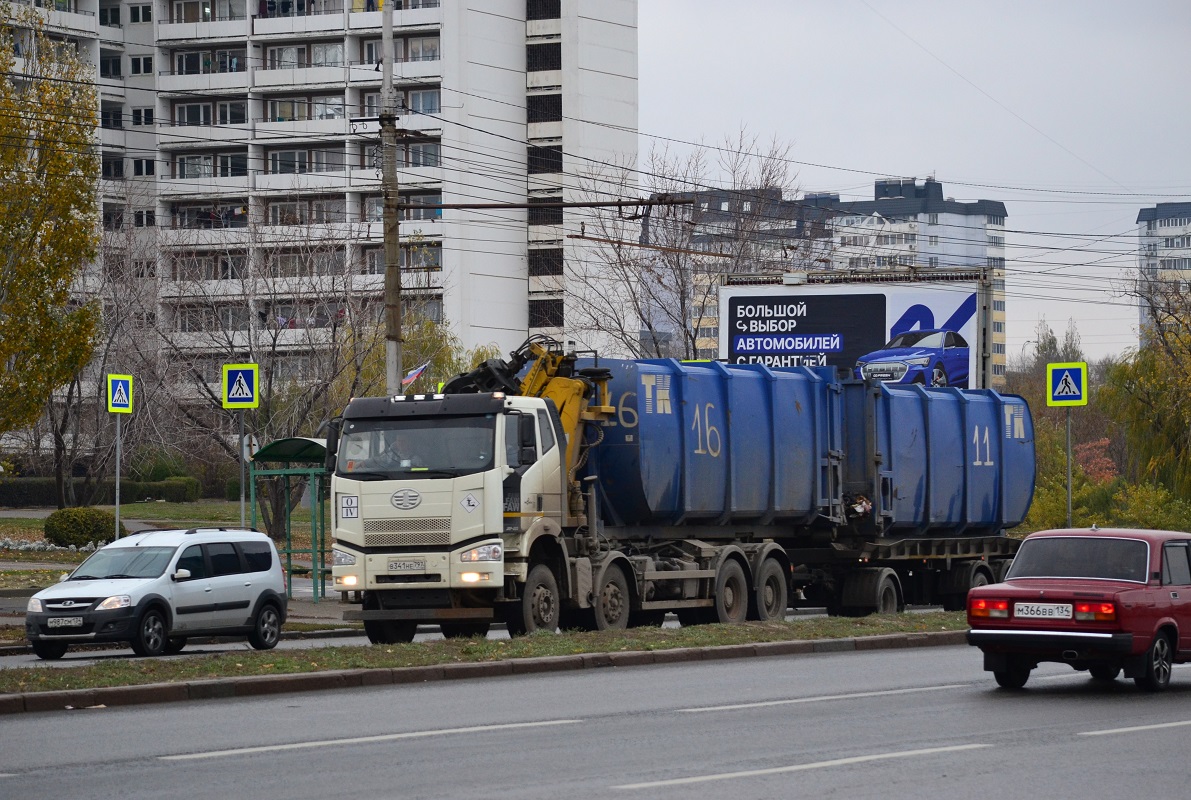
[
  {"x": 118, "y": 575},
  {"x": 83, "y": 578}
]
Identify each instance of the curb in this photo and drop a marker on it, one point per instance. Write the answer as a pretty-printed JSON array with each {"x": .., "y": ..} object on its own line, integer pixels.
[
  {"x": 330, "y": 633},
  {"x": 258, "y": 685}
]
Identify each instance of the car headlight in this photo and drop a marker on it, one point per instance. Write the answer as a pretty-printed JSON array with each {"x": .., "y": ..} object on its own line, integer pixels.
[
  {"x": 860, "y": 364},
  {"x": 488, "y": 552},
  {"x": 35, "y": 606},
  {"x": 922, "y": 361},
  {"x": 115, "y": 601},
  {"x": 342, "y": 559}
]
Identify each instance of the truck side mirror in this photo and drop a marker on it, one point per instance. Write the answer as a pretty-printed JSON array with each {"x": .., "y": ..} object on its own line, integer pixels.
[{"x": 332, "y": 443}]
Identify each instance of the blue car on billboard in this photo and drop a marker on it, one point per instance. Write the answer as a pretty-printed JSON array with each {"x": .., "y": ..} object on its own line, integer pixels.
[{"x": 933, "y": 357}]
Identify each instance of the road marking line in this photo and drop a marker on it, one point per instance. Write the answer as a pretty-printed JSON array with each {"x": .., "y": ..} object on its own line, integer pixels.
[
  {"x": 821, "y": 698},
  {"x": 835, "y": 762},
  {"x": 385, "y": 737},
  {"x": 1136, "y": 728}
]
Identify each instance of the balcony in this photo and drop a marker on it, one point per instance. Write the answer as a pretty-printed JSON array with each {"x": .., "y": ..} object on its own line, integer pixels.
[
  {"x": 206, "y": 30},
  {"x": 270, "y": 130},
  {"x": 304, "y": 182},
  {"x": 289, "y": 17},
  {"x": 299, "y": 77},
  {"x": 210, "y": 82}
]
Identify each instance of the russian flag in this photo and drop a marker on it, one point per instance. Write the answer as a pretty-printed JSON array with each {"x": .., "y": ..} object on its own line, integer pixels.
[{"x": 414, "y": 374}]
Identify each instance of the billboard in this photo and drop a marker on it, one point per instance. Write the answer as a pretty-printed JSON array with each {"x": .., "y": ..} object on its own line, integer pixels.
[{"x": 920, "y": 332}]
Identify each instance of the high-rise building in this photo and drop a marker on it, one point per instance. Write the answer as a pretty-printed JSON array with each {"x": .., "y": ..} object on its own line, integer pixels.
[
  {"x": 1163, "y": 257},
  {"x": 241, "y": 159}
]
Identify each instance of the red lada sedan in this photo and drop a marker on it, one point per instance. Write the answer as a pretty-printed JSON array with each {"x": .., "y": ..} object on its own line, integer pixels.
[{"x": 1100, "y": 600}]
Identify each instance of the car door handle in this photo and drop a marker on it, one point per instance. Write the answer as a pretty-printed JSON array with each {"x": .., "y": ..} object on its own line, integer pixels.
[
  {"x": 1174, "y": 595},
  {"x": 207, "y": 589}
]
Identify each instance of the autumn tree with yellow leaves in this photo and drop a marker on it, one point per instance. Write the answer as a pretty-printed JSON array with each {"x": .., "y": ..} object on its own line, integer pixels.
[{"x": 49, "y": 229}]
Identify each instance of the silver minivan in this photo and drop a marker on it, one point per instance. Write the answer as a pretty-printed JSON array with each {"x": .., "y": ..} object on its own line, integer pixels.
[{"x": 156, "y": 589}]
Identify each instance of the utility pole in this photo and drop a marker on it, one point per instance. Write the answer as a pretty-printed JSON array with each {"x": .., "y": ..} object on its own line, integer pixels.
[{"x": 388, "y": 141}]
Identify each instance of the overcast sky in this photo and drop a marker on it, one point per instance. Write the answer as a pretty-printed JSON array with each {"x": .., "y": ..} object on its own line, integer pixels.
[{"x": 1074, "y": 114}]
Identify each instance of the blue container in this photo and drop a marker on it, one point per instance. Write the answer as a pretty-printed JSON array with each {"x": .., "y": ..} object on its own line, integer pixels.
[{"x": 714, "y": 444}]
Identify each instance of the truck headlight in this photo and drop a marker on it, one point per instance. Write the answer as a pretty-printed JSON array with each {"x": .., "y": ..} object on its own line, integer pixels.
[
  {"x": 115, "y": 601},
  {"x": 487, "y": 552},
  {"x": 35, "y": 606},
  {"x": 342, "y": 559}
]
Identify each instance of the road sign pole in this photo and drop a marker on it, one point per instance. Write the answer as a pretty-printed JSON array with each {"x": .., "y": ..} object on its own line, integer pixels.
[
  {"x": 1068, "y": 466},
  {"x": 117, "y": 476},
  {"x": 241, "y": 413}
]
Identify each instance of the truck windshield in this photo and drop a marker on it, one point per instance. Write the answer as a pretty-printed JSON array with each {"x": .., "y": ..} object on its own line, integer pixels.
[
  {"x": 399, "y": 448},
  {"x": 1081, "y": 557}
]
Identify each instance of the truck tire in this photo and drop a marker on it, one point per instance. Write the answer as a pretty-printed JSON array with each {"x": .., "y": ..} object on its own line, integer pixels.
[
  {"x": 770, "y": 596},
  {"x": 974, "y": 575},
  {"x": 612, "y": 601},
  {"x": 538, "y": 609},
  {"x": 871, "y": 591},
  {"x": 731, "y": 592}
]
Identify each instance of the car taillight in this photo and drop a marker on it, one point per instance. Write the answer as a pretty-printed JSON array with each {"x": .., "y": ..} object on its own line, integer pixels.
[
  {"x": 1096, "y": 612},
  {"x": 980, "y": 607}
]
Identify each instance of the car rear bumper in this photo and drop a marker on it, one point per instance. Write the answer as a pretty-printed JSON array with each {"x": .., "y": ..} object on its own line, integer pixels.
[{"x": 1052, "y": 644}]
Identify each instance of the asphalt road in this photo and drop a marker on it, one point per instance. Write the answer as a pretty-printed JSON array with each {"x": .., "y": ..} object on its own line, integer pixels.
[{"x": 882, "y": 724}]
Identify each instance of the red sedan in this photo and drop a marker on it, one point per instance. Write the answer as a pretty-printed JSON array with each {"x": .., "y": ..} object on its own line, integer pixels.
[{"x": 1100, "y": 600}]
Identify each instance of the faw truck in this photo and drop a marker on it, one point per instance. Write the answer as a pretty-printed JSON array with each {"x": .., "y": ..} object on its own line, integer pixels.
[{"x": 556, "y": 490}]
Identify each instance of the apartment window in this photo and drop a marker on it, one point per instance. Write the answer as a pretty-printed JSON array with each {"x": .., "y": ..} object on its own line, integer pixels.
[
  {"x": 142, "y": 116},
  {"x": 285, "y": 213},
  {"x": 423, "y": 213},
  {"x": 374, "y": 209},
  {"x": 195, "y": 166},
  {"x": 287, "y": 110},
  {"x": 998, "y": 327},
  {"x": 545, "y": 313},
  {"x": 424, "y": 101},
  {"x": 141, "y": 65},
  {"x": 232, "y": 266},
  {"x": 327, "y": 54},
  {"x": 993, "y": 219},
  {"x": 546, "y": 261},
  {"x": 192, "y": 11},
  {"x": 288, "y": 162},
  {"x": 113, "y": 220},
  {"x": 327, "y": 160},
  {"x": 998, "y": 348},
  {"x": 995, "y": 262},
  {"x": 544, "y": 216},
  {"x": 539, "y": 57},
  {"x": 424, "y": 154},
  {"x": 112, "y": 117},
  {"x": 231, "y": 60},
  {"x": 142, "y": 166},
  {"x": 113, "y": 169},
  {"x": 144, "y": 218},
  {"x": 192, "y": 114},
  {"x": 421, "y": 258},
  {"x": 327, "y": 210},
  {"x": 544, "y": 159},
  {"x": 110, "y": 16},
  {"x": 998, "y": 284},
  {"x": 289, "y": 57},
  {"x": 998, "y": 369},
  {"x": 233, "y": 165},
  {"x": 372, "y": 104},
  {"x": 423, "y": 48},
  {"x": 932, "y": 219},
  {"x": 543, "y": 9},
  {"x": 996, "y": 241},
  {"x": 140, "y": 13},
  {"x": 932, "y": 261},
  {"x": 144, "y": 269},
  {"x": 998, "y": 305},
  {"x": 109, "y": 67},
  {"x": 933, "y": 241},
  {"x": 374, "y": 50},
  {"x": 330, "y": 107},
  {"x": 543, "y": 108},
  {"x": 234, "y": 112}
]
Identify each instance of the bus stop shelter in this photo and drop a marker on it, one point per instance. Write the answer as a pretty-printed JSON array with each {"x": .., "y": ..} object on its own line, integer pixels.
[{"x": 291, "y": 460}]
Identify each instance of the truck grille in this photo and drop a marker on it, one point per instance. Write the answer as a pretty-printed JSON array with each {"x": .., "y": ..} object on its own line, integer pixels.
[{"x": 411, "y": 531}]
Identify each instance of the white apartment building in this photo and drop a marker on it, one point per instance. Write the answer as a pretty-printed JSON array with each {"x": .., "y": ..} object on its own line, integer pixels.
[
  {"x": 241, "y": 166},
  {"x": 1164, "y": 254}
]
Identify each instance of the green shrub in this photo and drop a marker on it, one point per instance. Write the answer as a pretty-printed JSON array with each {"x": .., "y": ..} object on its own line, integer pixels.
[
  {"x": 231, "y": 489},
  {"x": 79, "y": 527},
  {"x": 157, "y": 466}
]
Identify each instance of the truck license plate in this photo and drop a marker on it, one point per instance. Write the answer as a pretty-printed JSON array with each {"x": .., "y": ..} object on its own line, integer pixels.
[
  {"x": 64, "y": 622},
  {"x": 1042, "y": 610},
  {"x": 408, "y": 565}
]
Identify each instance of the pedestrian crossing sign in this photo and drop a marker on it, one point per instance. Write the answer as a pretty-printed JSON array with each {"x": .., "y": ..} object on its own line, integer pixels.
[
  {"x": 120, "y": 394},
  {"x": 1067, "y": 384},
  {"x": 241, "y": 384}
]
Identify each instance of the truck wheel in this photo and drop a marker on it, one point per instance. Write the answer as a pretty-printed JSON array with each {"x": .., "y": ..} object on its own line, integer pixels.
[
  {"x": 538, "y": 609},
  {"x": 770, "y": 596},
  {"x": 463, "y": 630},
  {"x": 612, "y": 601},
  {"x": 887, "y": 596},
  {"x": 731, "y": 593}
]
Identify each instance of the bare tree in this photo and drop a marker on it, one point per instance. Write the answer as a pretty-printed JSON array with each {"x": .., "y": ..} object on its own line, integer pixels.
[{"x": 650, "y": 283}]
